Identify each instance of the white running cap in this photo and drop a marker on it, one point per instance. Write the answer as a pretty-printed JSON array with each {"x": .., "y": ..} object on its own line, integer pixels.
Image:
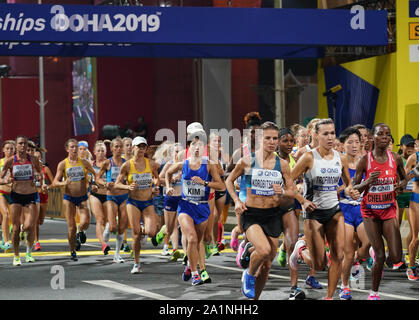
[
  {"x": 139, "y": 140},
  {"x": 194, "y": 127}
]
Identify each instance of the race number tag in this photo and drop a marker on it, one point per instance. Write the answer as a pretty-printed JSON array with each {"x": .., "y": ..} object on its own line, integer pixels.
[
  {"x": 193, "y": 191},
  {"x": 262, "y": 181},
  {"x": 75, "y": 173},
  {"x": 143, "y": 180},
  {"x": 22, "y": 172}
]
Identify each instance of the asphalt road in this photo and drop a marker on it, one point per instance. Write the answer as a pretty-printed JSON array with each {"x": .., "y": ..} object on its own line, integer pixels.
[{"x": 95, "y": 277}]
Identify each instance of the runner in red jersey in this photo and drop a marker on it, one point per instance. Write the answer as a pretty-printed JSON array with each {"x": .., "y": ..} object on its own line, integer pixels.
[{"x": 384, "y": 177}]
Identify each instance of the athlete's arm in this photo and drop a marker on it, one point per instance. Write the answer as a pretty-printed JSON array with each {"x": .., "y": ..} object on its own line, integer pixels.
[
  {"x": 216, "y": 183},
  {"x": 346, "y": 178},
  {"x": 361, "y": 169},
  {"x": 168, "y": 177},
  {"x": 102, "y": 170},
  {"x": 234, "y": 160},
  {"x": 7, "y": 166},
  {"x": 238, "y": 171},
  {"x": 155, "y": 171},
  {"x": 289, "y": 189},
  {"x": 402, "y": 174},
  {"x": 410, "y": 165},
  {"x": 303, "y": 165},
  {"x": 57, "y": 182},
  {"x": 123, "y": 174}
]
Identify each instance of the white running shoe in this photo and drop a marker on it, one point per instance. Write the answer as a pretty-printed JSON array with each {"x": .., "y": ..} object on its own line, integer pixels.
[
  {"x": 118, "y": 259},
  {"x": 136, "y": 269},
  {"x": 165, "y": 252},
  {"x": 295, "y": 255}
]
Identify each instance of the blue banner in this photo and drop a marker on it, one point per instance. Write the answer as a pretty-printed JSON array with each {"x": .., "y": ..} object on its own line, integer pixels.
[
  {"x": 158, "y": 51},
  {"x": 192, "y": 25},
  {"x": 414, "y": 9}
]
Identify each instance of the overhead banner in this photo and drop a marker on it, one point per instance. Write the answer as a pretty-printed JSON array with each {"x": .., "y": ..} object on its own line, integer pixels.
[
  {"x": 157, "y": 51},
  {"x": 206, "y": 26}
]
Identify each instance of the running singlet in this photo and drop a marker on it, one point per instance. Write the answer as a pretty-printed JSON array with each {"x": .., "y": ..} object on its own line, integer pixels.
[
  {"x": 192, "y": 191},
  {"x": 76, "y": 172},
  {"x": 260, "y": 180},
  {"x": 113, "y": 171},
  {"x": 22, "y": 172},
  {"x": 144, "y": 179},
  {"x": 321, "y": 182},
  {"x": 417, "y": 160},
  {"x": 381, "y": 194}
]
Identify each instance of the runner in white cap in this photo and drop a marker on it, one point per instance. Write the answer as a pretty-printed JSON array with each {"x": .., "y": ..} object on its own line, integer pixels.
[{"x": 138, "y": 173}]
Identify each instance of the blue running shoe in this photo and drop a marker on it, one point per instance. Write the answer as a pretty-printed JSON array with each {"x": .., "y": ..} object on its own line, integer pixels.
[
  {"x": 248, "y": 285},
  {"x": 187, "y": 274},
  {"x": 196, "y": 281},
  {"x": 345, "y": 294},
  {"x": 313, "y": 283}
]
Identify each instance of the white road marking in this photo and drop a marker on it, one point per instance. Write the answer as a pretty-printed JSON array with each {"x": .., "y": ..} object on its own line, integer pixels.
[
  {"x": 389, "y": 295},
  {"x": 128, "y": 289}
]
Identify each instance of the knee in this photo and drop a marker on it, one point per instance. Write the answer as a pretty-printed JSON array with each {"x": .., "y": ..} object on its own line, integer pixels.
[
  {"x": 264, "y": 252},
  {"x": 380, "y": 256}
]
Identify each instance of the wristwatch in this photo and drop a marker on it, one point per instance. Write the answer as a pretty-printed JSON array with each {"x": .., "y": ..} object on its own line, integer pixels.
[{"x": 206, "y": 183}]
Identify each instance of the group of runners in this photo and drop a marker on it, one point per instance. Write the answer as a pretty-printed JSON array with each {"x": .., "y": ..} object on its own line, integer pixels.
[{"x": 350, "y": 191}]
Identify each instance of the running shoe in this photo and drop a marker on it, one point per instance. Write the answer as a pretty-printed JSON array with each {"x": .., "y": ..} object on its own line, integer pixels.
[
  {"x": 234, "y": 242},
  {"x": 187, "y": 274},
  {"x": 158, "y": 238},
  {"x": 126, "y": 247},
  {"x": 196, "y": 280},
  {"x": 105, "y": 249},
  {"x": 37, "y": 246},
  {"x": 106, "y": 233},
  {"x": 205, "y": 276},
  {"x": 370, "y": 262},
  {"x": 16, "y": 261},
  {"x": 345, "y": 294},
  {"x": 248, "y": 284},
  {"x": 7, "y": 246},
  {"x": 411, "y": 274},
  {"x": 373, "y": 296},
  {"x": 175, "y": 255},
  {"x": 245, "y": 257},
  {"x": 296, "y": 294},
  {"x": 208, "y": 251},
  {"x": 215, "y": 251},
  {"x": 165, "y": 252},
  {"x": 73, "y": 256},
  {"x": 29, "y": 258},
  {"x": 136, "y": 269},
  {"x": 239, "y": 253},
  {"x": 221, "y": 246},
  {"x": 82, "y": 236},
  {"x": 401, "y": 266},
  {"x": 118, "y": 259},
  {"x": 282, "y": 258},
  {"x": 295, "y": 255},
  {"x": 78, "y": 244},
  {"x": 313, "y": 283}
]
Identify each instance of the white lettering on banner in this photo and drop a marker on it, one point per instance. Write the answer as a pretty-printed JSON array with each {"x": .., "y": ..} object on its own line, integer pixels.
[
  {"x": 21, "y": 24},
  {"x": 100, "y": 22},
  {"x": 358, "y": 20}
]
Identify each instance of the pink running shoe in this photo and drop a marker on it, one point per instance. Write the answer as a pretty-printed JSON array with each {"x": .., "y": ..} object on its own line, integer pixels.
[
  {"x": 295, "y": 255},
  {"x": 234, "y": 242},
  {"x": 373, "y": 296},
  {"x": 239, "y": 253}
]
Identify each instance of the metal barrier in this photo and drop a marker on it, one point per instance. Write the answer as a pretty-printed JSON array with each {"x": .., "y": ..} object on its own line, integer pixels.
[{"x": 55, "y": 203}]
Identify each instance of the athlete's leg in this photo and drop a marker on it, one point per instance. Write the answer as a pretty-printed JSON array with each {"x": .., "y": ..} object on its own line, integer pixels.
[
  {"x": 16, "y": 212},
  {"x": 314, "y": 238},
  {"x": 291, "y": 228},
  {"x": 111, "y": 214},
  {"x": 363, "y": 251},
  {"x": 4, "y": 210},
  {"x": 348, "y": 254},
  {"x": 99, "y": 212},
  {"x": 134, "y": 217},
  {"x": 70, "y": 216},
  {"x": 84, "y": 214}
]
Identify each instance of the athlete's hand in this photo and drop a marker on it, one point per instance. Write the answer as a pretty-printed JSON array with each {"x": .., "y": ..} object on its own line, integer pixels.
[
  {"x": 198, "y": 180},
  {"x": 156, "y": 191},
  {"x": 170, "y": 191},
  {"x": 278, "y": 189},
  {"x": 44, "y": 187},
  {"x": 68, "y": 181},
  {"x": 309, "y": 206},
  {"x": 373, "y": 177},
  {"x": 95, "y": 188},
  {"x": 353, "y": 193},
  {"x": 110, "y": 185},
  {"x": 133, "y": 186},
  {"x": 239, "y": 207}
]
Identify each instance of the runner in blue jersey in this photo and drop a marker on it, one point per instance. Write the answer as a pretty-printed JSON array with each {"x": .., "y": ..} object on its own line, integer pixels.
[{"x": 199, "y": 175}]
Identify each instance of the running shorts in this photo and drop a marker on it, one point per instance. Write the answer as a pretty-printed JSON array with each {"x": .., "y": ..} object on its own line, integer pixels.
[
  {"x": 198, "y": 212},
  {"x": 322, "y": 215},
  {"x": 403, "y": 199},
  {"x": 171, "y": 203},
  {"x": 352, "y": 214},
  {"x": 269, "y": 219}
]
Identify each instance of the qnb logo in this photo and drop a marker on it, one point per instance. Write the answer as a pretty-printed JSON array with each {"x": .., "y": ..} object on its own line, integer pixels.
[
  {"x": 58, "y": 280},
  {"x": 358, "y": 17},
  {"x": 329, "y": 170}
]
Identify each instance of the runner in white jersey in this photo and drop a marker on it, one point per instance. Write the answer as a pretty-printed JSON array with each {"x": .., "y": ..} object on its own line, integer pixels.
[{"x": 322, "y": 169}]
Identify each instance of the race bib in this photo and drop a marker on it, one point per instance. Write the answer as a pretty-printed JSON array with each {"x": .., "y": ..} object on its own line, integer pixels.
[
  {"x": 22, "y": 172},
  {"x": 75, "y": 173},
  {"x": 380, "y": 196},
  {"x": 262, "y": 181},
  {"x": 115, "y": 172},
  {"x": 193, "y": 191},
  {"x": 143, "y": 180}
]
